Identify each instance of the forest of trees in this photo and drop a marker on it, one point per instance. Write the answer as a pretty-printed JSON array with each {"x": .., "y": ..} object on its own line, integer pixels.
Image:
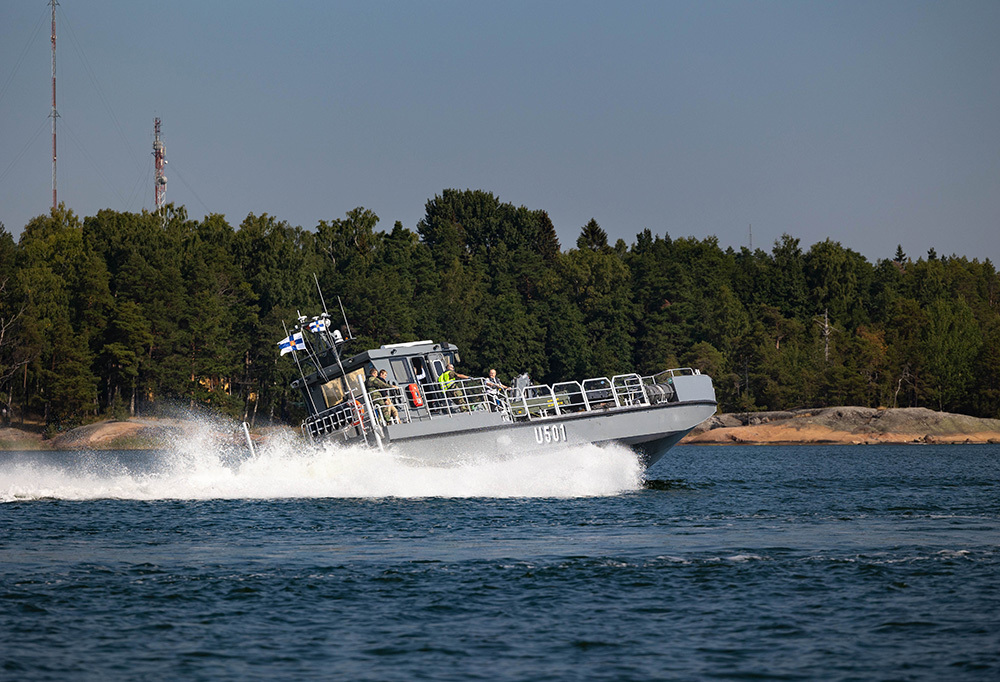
[{"x": 126, "y": 313}]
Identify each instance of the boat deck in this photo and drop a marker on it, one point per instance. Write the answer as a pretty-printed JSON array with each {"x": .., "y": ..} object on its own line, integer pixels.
[{"x": 428, "y": 403}]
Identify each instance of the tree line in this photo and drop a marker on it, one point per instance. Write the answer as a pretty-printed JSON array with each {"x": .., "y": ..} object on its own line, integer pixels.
[{"x": 124, "y": 313}]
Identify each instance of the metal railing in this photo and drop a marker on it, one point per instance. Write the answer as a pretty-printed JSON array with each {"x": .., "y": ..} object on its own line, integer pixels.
[
  {"x": 394, "y": 394},
  {"x": 462, "y": 396},
  {"x": 542, "y": 401},
  {"x": 355, "y": 414},
  {"x": 346, "y": 414},
  {"x": 537, "y": 401},
  {"x": 664, "y": 376}
]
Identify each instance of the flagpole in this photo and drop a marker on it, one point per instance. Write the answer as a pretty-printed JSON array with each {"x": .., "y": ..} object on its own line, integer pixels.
[
  {"x": 349, "y": 335},
  {"x": 301, "y": 373},
  {"x": 320, "y": 290},
  {"x": 326, "y": 311}
]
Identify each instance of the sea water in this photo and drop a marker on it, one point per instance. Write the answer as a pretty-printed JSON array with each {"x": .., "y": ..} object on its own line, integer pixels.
[{"x": 202, "y": 562}]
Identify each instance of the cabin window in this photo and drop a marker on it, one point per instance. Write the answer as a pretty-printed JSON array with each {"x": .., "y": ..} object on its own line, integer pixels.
[
  {"x": 438, "y": 366},
  {"x": 400, "y": 371},
  {"x": 335, "y": 391}
]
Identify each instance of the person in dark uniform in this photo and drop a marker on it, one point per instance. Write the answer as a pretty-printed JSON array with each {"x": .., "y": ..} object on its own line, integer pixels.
[
  {"x": 390, "y": 411},
  {"x": 380, "y": 392}
]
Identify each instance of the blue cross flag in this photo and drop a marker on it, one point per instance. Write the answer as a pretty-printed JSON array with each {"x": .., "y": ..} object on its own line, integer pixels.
[{"x": 292, "y": 343}]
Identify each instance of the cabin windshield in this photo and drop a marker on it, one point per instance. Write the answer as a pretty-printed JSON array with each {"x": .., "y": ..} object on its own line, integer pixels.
[{"x": 335, "y": 391}]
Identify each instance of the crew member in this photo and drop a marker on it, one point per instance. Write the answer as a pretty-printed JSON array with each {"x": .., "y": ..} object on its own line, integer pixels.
[
  {"x": 449, "y": 384},
  {"x": 375, "y": 385},
  {"x": 390, "y": 411},
  {"x": 493, "y": 388}
]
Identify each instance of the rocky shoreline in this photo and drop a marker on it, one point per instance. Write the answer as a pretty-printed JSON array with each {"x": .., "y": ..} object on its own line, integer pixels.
[
  {"x": 131, "y": 434},
  {"x": 846, "y": 426},
  {"x": 830, "y": 425}
]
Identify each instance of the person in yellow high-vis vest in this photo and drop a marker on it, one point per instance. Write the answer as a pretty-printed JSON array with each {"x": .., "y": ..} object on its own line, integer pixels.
[{"x": 449, "y": 384}]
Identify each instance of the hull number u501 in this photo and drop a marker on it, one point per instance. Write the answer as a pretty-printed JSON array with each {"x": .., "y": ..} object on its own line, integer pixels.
[{"x": 550, "y": 433}]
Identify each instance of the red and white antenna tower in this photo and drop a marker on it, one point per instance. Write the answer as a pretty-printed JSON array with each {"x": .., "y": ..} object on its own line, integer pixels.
[
  {"x": 160, "y": 181},
  {"x": 54, "y": 113}
]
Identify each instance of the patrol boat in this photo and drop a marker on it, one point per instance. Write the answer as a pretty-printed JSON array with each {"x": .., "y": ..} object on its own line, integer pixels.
[{"x": 452, "y": 420}]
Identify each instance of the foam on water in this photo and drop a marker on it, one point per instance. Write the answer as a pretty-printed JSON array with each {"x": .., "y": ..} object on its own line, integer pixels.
[{"x": 200, "y": 466}]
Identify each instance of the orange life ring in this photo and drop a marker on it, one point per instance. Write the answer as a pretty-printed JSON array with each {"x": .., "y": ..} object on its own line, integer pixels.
[
  {"x": 359, "y": 413},
  {"x": 418, "y": 400}
]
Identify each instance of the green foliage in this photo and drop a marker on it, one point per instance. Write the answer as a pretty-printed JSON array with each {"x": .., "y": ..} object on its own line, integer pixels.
[
  {"x": 125, "y": 311},
  {"x": 951, "y": 343},
  {"x": 12, "y": 354},
  {"x": 601, "y": 286},
  {"x": 837, "y": 278}
]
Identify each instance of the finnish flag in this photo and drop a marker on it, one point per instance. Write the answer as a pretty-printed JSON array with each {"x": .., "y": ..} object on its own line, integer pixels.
[
  {"x": 317, "y": 326},
  {"x": 292, "y": 343}
]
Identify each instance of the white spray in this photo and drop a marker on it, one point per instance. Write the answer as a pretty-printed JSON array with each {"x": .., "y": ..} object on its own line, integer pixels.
[{"x": 209, "y": 461}]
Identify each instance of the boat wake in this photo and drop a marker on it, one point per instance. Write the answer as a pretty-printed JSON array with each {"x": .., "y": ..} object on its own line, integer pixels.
[{"x": 199, "y": 467}]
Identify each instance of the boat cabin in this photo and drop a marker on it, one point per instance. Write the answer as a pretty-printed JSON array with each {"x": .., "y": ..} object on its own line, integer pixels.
[{"x": 410, "y": 366}]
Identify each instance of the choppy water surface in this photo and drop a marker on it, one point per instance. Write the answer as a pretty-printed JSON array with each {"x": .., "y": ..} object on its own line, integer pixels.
[{"x": 199, "y": 563}]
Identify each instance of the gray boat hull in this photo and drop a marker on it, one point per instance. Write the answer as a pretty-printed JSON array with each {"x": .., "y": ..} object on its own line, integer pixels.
[{"x": 650, "y": 430}]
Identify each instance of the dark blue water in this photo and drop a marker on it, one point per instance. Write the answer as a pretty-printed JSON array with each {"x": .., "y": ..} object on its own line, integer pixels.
[{"x": 803, "y": 563}]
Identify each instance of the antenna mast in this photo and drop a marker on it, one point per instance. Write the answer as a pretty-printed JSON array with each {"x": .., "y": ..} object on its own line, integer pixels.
[
  {"x": 54, "y": 115},
  {"x": 160, "y": 180}
]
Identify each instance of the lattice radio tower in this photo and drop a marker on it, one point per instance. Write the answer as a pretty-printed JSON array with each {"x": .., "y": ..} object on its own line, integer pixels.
[
  {"x": 160, "y": 181},
  {"x": 54, "y": 113}
]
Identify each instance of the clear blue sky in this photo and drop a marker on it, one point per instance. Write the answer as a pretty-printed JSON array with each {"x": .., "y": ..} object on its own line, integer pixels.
[{"x": 871, "y": 123}]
